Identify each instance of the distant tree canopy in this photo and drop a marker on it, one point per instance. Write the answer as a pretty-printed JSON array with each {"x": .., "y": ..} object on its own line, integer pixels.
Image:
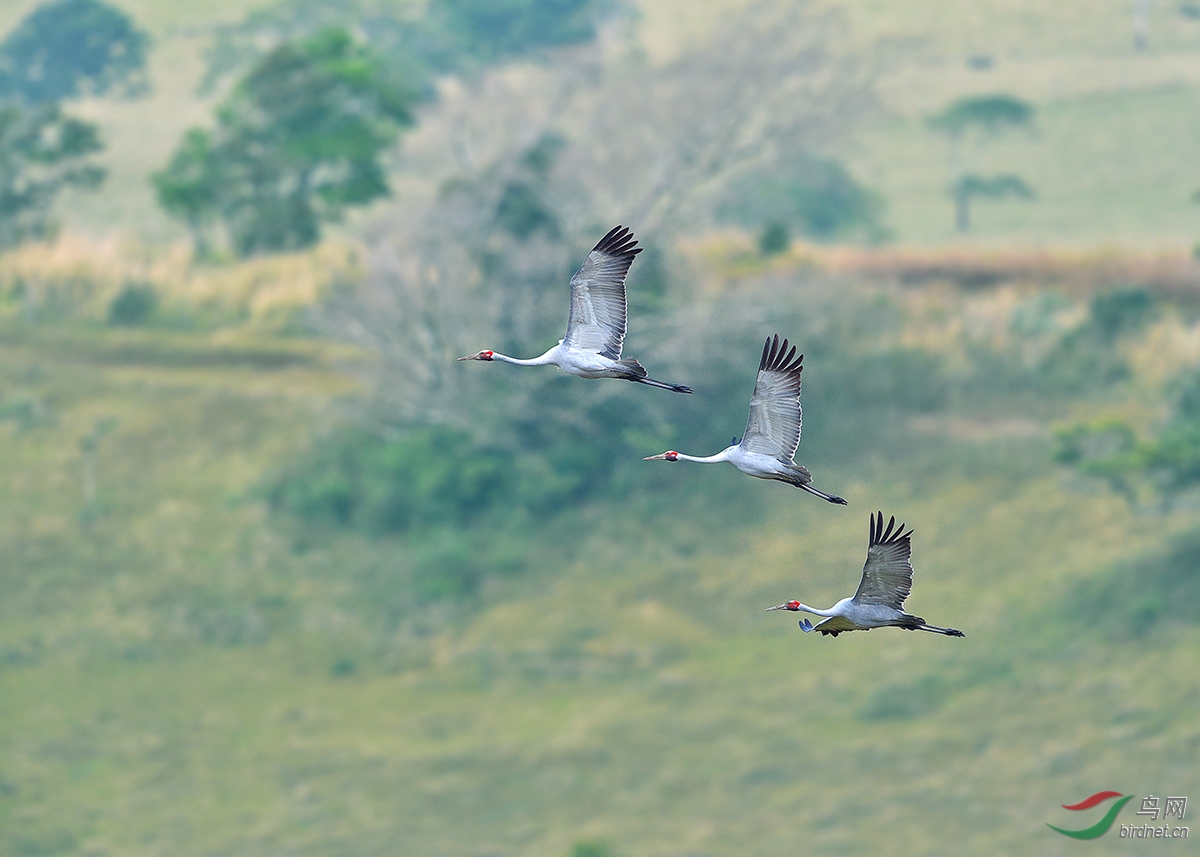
[
  {"x": 41, "y": 152},
  {"x": 987, "y": 113},
  {"x": 488, "y": 30},
  {"x": 986, "y": 116},
  {"x": 522, "y": 210},
  {"x": 297, "y": 142},
  {"x": 971, "y": 185},
  {"x": 72, "y": 47},
  {"x": 1111, "y": 450},
  {"x": 1168, "y": 460},
  {"x": 814, "y": 196},
  {"x": 451, "y": 36}
]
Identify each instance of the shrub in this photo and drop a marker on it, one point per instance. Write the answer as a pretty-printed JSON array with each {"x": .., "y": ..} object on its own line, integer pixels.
[
  {"x": 133, "y": 305},
  {"x": 429, "y": 477},
  {"x": 774, "y": 238},
  {"x": 1120, "y": 312},
  {"x": 817, "y": 197},
  {"x": 68, "y": 47}
]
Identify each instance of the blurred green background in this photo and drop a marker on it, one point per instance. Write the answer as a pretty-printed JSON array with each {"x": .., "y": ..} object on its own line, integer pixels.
[{"x": 278, "y": 576}]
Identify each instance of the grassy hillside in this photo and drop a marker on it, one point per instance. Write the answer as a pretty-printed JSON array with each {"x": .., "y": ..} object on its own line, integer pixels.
[{"x": 182, "y": 671}]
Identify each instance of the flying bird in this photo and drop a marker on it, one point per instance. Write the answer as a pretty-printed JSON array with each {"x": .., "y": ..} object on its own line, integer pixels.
[
  {"x": 768, "y": 446},
  {"x": 879, "y": 601},
  {"x": 596, "y": 324}
]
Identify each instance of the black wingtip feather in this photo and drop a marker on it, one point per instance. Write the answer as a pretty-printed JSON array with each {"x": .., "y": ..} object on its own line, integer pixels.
[
  {"x": 889, "y": 535},
  {"x": 777, "y": 358},
  {"x": 618, "y": 242}
]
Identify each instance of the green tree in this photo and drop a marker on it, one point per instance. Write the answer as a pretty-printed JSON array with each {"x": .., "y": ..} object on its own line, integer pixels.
[
  {"x": 189, "y": 187},
  {"x": 451, "y": 35},
  {"x": 774, "y": 238},
  {"x": 297, "y": 142},
  {"x": 812, "y": 195},
  {"x": 1112, "y": 450},
  {"x": 988, "y": 113},
  {"x": 488, "y": 30},
  {"x": 70, "y": 47},
  {"x": 42, "y": 151},
  {"x": 971, "y": 185},
  {"x": 985, "y": 118}
]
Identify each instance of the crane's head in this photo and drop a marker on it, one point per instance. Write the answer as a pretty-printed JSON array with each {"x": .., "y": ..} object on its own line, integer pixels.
[
  {"x": 669, "y": 455},
  {"x": 791, "y": 605},
  {"x": 482, "y": 355}
]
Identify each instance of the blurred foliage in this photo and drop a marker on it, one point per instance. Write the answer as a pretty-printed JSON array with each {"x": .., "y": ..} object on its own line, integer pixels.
[
  {"x": 1121, "y": 312},
  {"x": 297, "y": 142},
  {"x": 1087, "y": 357},
  {"x": 190, "y": 186},
  {"x": 988, "y": 114},
  {"x": 985, "y": 117},
  {"x": 1112, "y": 450},
  {"x": 426, "y": 478},
  {"x": 25, "y": 410},
  {"x": 817, "y": 197},
  {"x": 522, "y": 212},
  {"x": 490, "y": 30},
  {"x": 42, "y": 152},
  {"x": 69, "y": 48},
  {"x": 450, "y": 36},
  {"x": 415, "y": 51},
  {"x": 649, "y": 281},
  {"x": 133, "y": 305},
  {"x": 431, "y": 477},
  {"x": 967, "y": 187},
  {"x": 774, "y": 238}
]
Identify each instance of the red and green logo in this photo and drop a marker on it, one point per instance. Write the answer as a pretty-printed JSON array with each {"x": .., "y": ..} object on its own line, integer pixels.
[{"x": 1100, "y": 827}]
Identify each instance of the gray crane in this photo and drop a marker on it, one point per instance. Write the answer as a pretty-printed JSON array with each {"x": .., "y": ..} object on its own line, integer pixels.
[
  {"x": 879, "y": 601},
  {"x": 767, "y": 449},
  {"x": 596, "y": 324}
]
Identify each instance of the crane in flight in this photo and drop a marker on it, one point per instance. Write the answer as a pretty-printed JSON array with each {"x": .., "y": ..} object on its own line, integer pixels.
[
  {"x": 768, "y": 446},
  {"x": 596, "y": 324},
  {"x": 879, "y": 601}
]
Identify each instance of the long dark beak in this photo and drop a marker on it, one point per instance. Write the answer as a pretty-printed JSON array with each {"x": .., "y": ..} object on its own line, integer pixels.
[
  {"x": 778, "y": 607},
  {"x": 659, "y": 457}
]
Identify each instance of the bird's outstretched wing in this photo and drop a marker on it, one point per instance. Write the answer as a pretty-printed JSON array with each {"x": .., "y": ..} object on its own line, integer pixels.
[
  {"x": 775, "y": 416},
  {"x": 597, "y": 319},
  {"x": 887, "y": 574}
]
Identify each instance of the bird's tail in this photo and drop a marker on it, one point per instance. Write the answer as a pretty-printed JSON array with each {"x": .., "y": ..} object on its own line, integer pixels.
[
  {"x": 949, "y": 632},
  {"x": 819, "y": 493},
  {"x": 639, "y": 376},
  {"x": 650, "y": 382}
]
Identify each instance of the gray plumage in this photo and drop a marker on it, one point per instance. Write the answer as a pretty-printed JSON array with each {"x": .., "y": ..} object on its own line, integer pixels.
[{"x": 886, "y": 583}]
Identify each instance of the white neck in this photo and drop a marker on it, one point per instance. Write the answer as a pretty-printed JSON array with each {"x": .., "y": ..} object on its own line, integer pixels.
[
  {"x": 817, "y": 612},
  {"x": 723, "y": 455},
  {"x": 550, "y": 358}
]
